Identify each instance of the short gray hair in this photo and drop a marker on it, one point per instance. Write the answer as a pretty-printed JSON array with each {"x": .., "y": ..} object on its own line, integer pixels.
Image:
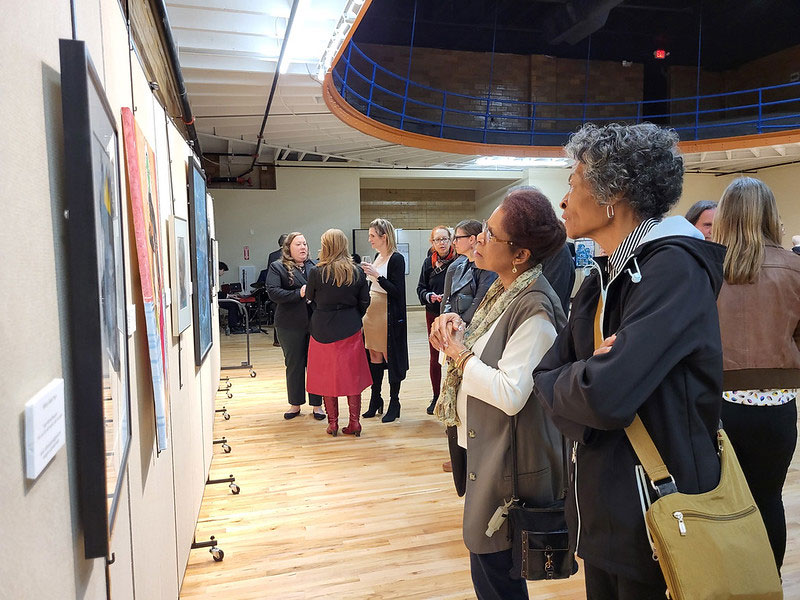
[{"x": 640, "y": 163}]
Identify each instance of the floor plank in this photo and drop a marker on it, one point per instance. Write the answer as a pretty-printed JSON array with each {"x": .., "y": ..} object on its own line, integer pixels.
[{"x": 355, "y": 518}]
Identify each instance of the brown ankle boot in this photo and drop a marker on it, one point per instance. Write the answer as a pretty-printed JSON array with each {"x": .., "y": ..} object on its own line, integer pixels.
[
  {"x": 353, "y": 426},
  {"x": 332, "y": 408}
]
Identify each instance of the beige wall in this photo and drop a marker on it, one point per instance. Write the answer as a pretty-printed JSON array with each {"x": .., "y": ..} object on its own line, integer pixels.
[
  {"x": 161, "y": 494},
  {"x": 308, "y": 200}
]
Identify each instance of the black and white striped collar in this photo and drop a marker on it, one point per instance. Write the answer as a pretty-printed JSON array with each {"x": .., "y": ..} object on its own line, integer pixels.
[{"x": 625, "y": 250}]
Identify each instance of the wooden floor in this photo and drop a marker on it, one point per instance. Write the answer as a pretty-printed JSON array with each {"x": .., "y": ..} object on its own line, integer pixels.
[{"x": 350, "y": 518}]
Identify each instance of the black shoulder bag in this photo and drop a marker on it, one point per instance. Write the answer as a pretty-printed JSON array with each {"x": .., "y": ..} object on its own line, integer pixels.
[{"x": 541, "y": 547}]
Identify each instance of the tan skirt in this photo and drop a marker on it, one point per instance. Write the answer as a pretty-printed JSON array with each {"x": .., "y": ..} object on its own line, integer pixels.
[{"x": 375, "y": 323}]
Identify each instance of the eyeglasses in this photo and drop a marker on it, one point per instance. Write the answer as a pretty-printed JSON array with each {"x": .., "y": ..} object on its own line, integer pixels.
[
  {"x": 460, "y": 237},
  {"x": 490, "y": 236},
  {"x": 441, "y": 240}
]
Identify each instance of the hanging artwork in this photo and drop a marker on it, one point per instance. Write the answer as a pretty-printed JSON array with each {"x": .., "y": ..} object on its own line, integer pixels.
[
  {"x": 143, "y": 193},
  {"x": 201, "y": 261},
  {"x": 97, "y": 303},
  {"x": 180, "y": 275}
]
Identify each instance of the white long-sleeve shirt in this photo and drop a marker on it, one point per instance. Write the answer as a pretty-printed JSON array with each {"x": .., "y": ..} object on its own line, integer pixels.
[{"x": 509, "y": 385}]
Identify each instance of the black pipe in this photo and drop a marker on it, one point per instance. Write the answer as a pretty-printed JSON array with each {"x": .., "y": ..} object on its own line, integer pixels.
[
  {"x": 172, "y": 54},
  {"x": 285, "y": 42}
]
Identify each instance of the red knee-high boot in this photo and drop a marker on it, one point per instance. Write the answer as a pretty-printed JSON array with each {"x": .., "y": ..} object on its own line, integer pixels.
[
  {"x": 353, "y": 426},
  {"x": 332, "y": 408}
]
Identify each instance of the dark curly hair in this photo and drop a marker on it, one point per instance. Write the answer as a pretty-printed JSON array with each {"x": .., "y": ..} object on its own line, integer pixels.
[
  {"x": 640, "y": 163},
  {"x": 530, "y": 222}
]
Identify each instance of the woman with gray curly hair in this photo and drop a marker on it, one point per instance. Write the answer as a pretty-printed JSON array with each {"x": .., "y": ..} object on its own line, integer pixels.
[{"x": 643, "y": 339}]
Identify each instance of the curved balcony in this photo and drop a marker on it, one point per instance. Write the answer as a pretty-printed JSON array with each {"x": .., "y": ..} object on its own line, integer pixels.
[{"x": 389, "y": 106}]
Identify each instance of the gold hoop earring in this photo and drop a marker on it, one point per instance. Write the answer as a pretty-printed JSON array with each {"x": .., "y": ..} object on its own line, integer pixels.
[
  {"x": 610, "y": 211},
  {"x": 514, "y": 270}
]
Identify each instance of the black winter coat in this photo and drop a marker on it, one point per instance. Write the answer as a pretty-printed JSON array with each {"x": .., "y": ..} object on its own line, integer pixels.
[
  {"x": 665, "y": 365},
  {"x": 397, "y": 335},
  {"x": 337, "y": 308},
  {"x": 432, "y": 281},
  {"x": 292, "y": 311}
]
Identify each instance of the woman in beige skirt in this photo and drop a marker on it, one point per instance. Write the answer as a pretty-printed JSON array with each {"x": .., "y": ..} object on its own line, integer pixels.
[{"x": 385, "y": 334}]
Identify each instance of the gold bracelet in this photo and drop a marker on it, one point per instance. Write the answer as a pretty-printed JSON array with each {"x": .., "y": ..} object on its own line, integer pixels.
[{"x": 463, "y": 358}]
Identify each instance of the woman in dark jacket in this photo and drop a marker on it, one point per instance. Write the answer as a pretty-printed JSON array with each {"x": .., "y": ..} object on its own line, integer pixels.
[
  {"x": 759, "y": 315},
  {"x": 430, "y": 290},
  {"x": 286, "y": 287},
  {"x": 337, "y": 363},
  {"x": 655, "y": 305},
  {"x": 385, "y": 333}
]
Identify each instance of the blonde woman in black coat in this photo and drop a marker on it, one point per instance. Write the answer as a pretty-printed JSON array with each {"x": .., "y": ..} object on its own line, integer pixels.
[{"x": 385, "y": 333}]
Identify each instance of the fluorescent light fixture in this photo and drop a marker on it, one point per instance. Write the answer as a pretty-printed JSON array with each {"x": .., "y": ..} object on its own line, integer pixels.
[{"x": 522, "y": 161}]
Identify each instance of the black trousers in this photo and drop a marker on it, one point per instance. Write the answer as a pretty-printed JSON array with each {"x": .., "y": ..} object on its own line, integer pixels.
[
  {"x": 764, "y": 438},
  {"x": 602, "y": 585},
  {"x": 492, "y": 579},
  {"x": 294, "y": 343}
]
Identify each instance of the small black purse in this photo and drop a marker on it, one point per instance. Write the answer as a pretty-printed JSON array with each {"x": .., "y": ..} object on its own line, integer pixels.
[{"x": 540, "y": 544}]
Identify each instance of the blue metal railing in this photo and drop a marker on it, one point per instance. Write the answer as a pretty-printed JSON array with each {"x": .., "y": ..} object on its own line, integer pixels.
[{"x": 399, "y": 102}]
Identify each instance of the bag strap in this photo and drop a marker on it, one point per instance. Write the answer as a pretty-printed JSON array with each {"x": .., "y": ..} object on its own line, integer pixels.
[
  {"x": 661, "y": 480},
  {"x": 514, "y": 483}
]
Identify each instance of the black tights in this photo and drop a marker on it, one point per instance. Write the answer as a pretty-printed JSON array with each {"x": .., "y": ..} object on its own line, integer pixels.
[{"x": 764, "y": 438}]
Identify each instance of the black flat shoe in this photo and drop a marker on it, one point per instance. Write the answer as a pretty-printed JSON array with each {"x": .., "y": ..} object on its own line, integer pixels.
[
  {"x": 431, "y": 406},
  {"x": 290, "y": 415},
  {"x": 319, "y": 416}
]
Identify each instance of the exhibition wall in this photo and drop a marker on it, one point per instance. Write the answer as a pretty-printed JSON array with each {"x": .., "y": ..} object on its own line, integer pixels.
[{"x": 160, "y": 494}]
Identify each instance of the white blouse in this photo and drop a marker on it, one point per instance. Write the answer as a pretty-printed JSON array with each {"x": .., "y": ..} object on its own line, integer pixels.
[
  {"x": 381, "y": 268},
  {"x": 509, "y": 385}
]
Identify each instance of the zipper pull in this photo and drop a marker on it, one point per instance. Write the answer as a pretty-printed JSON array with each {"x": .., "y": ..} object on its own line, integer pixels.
[
  {"x": 574, "y": 452},
  {"x": 681, "y": 525}
]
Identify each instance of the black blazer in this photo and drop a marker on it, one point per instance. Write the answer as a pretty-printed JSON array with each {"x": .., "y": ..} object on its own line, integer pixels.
[
  {"x": 337, "y": 309},
  {"x": 397, "y": 335},
  {"x": 292, "y": 311}
]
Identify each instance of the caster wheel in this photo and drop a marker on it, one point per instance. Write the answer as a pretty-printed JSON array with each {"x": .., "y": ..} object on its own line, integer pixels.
[
  {"x": 252, "y": 373},
  {"x": 217, "y": 554},
  {"x": 226, "y": 448},
  {"x": 235, "y": 489},
  {"x": 226, "y": 416},
  {"x": 228, "y": 385},
  {"x": 229, "y": 395}
]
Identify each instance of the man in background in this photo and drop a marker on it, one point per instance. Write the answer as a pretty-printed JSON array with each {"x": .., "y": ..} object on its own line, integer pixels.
[{"x": 701, "y": 215}]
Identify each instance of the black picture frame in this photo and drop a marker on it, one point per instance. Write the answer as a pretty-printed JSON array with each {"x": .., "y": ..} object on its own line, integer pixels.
[
  {"x": 201, "y": 261},
  {"x": 100, "y": 385}
]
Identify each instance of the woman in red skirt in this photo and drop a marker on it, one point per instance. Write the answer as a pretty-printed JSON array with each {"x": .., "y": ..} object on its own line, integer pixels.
[{"x": 337, "y": 360}]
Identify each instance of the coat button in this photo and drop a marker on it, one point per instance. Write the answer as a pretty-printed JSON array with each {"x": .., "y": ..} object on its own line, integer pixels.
[
  {"x": 471, "y": 433},
  {"x": 472, "y": 477}
]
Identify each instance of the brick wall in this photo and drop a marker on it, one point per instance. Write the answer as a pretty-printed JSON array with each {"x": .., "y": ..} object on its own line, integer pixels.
[
  {"x": 515, "y": 78},
  {"x": 417, "y": 209}
]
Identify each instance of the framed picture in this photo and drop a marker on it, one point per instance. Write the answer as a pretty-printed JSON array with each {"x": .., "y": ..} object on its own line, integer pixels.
[
  {"x": 180, "y": 276},
  {"x": 97, "y": 302},
  {"x": 403, "y": 248},
  {"x": 140, "y": 163},
  {"x": 201, "y": 261}
]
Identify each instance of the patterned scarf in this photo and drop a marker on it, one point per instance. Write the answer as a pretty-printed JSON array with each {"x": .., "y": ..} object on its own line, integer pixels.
[
  {"x": 494, "y": 303},
  {"x": 439, "y": 263}
]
